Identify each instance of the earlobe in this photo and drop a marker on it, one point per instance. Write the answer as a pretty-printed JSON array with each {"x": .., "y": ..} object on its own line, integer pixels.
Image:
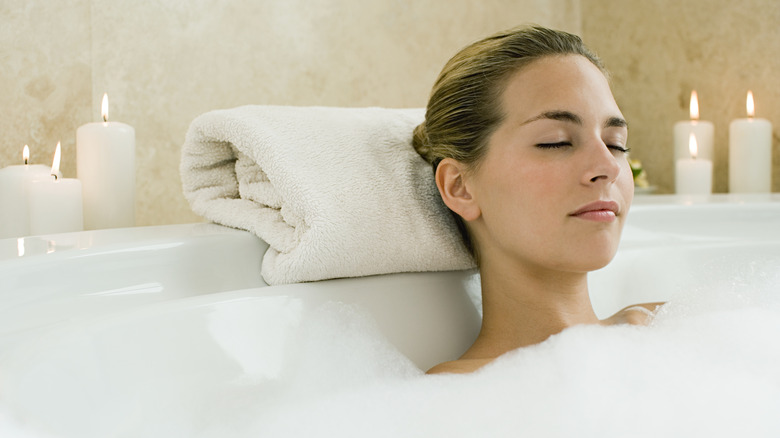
[{"x": 452, "y": 183}]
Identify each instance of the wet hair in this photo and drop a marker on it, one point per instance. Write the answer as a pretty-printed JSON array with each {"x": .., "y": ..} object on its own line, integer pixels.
[{"x": 464, "y": 108}]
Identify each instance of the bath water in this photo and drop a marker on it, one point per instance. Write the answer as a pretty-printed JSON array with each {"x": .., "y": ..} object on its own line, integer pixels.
[{"x": 707, "y": 365}]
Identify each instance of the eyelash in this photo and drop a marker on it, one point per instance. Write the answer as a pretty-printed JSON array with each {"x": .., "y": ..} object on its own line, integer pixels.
[
  {"x": 620, "y": 149},
  {"x": 566, "y": 143},
  {"x": 553, "y": 145}
]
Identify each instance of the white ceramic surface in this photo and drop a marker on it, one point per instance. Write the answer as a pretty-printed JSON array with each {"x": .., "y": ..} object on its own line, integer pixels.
[
  {"x": 669, "y": 241},
  {"x": 83, "y": 378},
  {"x": 45, "y": 280}
]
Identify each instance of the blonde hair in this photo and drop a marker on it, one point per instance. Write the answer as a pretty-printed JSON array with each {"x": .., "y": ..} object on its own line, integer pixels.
[{"x": 464, "y": 107}]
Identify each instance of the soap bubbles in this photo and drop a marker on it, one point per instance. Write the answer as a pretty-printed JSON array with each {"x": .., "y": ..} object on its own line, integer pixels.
[
  {"x": 707, "y": 365},
  {"x": 12, "y": 428}
]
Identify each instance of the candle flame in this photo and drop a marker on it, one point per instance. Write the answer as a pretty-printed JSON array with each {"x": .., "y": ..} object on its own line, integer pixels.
[
  {"x": 26, "y": 154},
  {"x": 694, "y": 108},
  {"x": 693, "y": 146},
  {"x": 20, "y": 246},
  {"x": 55, "y": 165},
  {"x": 750, "y": 105},
  {"x": 104, "y": 107}
]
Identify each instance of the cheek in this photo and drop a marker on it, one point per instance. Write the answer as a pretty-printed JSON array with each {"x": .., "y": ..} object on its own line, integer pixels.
[
  {"x": 525, "y": 200},
  {"x": 500, "y": 189},
  {"x": 547, "y": 184},
  {"x": 626, "y": 182},
  {"x": 517, "y": 182}
]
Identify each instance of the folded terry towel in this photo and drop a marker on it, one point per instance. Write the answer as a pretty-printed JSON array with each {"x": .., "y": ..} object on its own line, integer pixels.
[{"x": 335, "y": 192}]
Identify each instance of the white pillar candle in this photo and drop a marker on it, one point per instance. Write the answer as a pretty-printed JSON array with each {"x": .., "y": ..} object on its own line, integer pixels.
[
  {"x": 14, "y": 184},
  {"x": 693, "y": 176},
  {"x": 702, "y": 129},
  {"x": 106, "y": 167},
  {"x": 55, "y": 203},
  {"x": 750, "y": 153}
]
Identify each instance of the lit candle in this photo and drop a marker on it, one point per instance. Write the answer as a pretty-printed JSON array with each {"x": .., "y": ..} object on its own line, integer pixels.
[
  {"x": 106, "y": 167},
  {"x": 702, "y": 129},
  {"x": 55, "y": 203},
  {"x": 693, "y": 175},
  {"x": 14, "y": 183},
  {"x": 750, "y": 153}
]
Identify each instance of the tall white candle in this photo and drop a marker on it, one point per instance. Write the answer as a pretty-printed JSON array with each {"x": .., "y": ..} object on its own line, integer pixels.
[
  {"x": 693, "y": 176},
  {"x": 750, "y": 153},
  {"x": 106, "y": 168},
  {"x": 14, "y": 184},
  {"x": 55, "y": 203},
  {"x": 702, "y": 129}
]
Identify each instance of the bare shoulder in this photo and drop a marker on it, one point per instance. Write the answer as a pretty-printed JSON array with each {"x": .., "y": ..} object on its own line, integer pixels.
[
  {"x": 637, "y": 314},
  {"x": 460, "y": 366}
]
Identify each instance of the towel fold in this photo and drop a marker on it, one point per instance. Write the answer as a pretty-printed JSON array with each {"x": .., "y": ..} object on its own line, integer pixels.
[{"x": 335, "y": 192}]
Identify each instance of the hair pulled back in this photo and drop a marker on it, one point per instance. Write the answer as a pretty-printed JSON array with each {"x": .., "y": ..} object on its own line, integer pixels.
[{"x": 464, "y": 108}]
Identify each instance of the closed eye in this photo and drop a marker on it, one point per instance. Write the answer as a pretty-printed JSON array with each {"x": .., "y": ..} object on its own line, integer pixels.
[
  {"x": 619, "y": 148},
  {"x": 562, "y": 144},
  {"x": 559, "y": 144}
]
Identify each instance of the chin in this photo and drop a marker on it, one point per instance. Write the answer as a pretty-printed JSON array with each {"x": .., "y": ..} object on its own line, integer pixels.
[
  {"x": 583, "y": 262},
  {"x": 592, "y": 260},
  {"x": 595, "y": 265}
]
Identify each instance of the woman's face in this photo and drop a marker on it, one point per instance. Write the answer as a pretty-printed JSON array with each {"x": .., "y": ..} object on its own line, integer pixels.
[{"x": 554, "y": 186}]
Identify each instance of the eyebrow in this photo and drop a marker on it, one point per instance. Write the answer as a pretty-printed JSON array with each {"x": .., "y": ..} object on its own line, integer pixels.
[
  {"x": 568, "y": 116},
  {"x": 616, "y": 122}
]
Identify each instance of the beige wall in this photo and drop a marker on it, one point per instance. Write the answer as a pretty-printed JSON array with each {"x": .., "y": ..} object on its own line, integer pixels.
[
  {"x": 658, "y": 50},
  {"x": 164, "y": 62}
]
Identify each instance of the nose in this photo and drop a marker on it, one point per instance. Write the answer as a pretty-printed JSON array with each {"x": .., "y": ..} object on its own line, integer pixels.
[{"x": 601, "y": 164}]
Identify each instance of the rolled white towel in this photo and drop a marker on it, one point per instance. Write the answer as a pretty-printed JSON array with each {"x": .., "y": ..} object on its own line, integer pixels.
[{"x": 335, "y": 192}]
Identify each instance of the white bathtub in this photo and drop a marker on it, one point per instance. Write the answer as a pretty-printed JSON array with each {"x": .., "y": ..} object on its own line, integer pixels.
[
  {"x": 666, "y": 237},
  {"x": 106, "y": 331},
  {"x": 49, "y": 280}
]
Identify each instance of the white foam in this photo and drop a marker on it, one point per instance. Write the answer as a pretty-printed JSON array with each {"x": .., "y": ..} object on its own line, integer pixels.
[
  {"x": 706, "y": 366},
  {"x": 714, "y": 376},
  {"x": 12, "y": 428}
]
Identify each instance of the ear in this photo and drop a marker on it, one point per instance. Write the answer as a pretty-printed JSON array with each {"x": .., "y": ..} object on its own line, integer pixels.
[{"x": 451, "y": 180}]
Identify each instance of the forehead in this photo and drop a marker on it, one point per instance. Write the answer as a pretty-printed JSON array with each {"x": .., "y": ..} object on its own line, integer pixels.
[{"x": 568, "y": 82}]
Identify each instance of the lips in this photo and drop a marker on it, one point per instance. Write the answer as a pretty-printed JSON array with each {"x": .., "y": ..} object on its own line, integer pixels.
[{"x": 599, "y": 211}]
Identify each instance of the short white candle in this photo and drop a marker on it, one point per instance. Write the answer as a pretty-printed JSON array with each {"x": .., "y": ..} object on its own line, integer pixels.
[
  {"x": 702, "y": 129},
  {"x": 55, "y": 203},
  {"x": 693, "y": 176},
  {"x": 750, "y": 153},
  {"x": 106, "y": 167},
  {"x": 14, "y": 184}
]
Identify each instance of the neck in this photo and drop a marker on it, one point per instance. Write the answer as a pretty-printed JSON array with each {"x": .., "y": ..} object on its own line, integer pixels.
[{"x": 524, "y": 306}]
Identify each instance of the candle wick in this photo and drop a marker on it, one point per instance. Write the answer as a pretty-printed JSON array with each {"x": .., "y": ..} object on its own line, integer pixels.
[
  {"x": 25, "y": 161},
  {"x": 105, "y": 118},
  {"x": 55, "y": 176}
]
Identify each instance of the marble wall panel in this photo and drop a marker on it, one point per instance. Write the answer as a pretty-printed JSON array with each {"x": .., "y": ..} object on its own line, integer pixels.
[
  {"x": 164, "y": 62},
  {"x": 658, "y": 50},
  {"x": 45, "y": 79}
]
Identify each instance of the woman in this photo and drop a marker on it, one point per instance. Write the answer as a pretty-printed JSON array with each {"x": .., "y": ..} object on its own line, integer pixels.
[{"x": 529, "y": 152}]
